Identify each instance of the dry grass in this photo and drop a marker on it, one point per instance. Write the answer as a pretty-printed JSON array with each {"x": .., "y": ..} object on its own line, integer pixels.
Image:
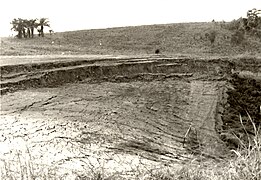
[
  {"x": 245, "y": 164},
  {"x": 183, "y": 38}
]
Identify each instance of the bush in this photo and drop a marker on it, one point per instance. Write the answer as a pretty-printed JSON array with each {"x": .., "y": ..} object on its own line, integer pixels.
[
  {"x": 238, "y": 37},
  {"x": 211, "y": 36},
  {"x": 157, "y": 51}
]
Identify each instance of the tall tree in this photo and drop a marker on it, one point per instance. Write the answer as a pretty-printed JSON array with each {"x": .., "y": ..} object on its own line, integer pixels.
[
  {"x": 32, "y": 24},
  {"x": 18, "y": 26},
  {"x": 43, "y": 22},
  {"x": 27, "y": 26},
  {"x": 23, "y": 24}
]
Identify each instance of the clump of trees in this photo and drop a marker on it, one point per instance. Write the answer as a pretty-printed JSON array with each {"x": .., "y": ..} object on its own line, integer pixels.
[
  {"x": 251, "y": 22},
  {"x": 25, "y": 28},
  {"x": 250, "y": 25}
]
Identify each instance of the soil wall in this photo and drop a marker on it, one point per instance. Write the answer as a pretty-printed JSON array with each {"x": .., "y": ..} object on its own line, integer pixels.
[
  {"x": 241, "y": 110},
  {"x": 48, "y": 75}
]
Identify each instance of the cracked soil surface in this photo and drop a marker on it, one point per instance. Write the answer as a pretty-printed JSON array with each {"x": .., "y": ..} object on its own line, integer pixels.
[{"x": 114, "y": 127}]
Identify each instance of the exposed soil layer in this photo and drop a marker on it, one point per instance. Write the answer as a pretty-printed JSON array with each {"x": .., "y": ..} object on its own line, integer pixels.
[
  {"x": 121, "y": 115},
  {"x": 53, "y": 74},
  {"x": 117, "y": 127},
  {"x": 243, "y": 102}
]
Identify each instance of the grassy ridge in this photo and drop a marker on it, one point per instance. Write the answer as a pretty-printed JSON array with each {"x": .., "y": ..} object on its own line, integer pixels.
[{"x": 182, "y": 38}]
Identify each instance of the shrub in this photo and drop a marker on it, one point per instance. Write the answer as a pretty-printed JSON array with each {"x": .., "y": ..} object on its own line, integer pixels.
[
  {"x": 211, "y": 36},
  {"x": 157, "y": 51},
  {"x": 238, "y": 37}
]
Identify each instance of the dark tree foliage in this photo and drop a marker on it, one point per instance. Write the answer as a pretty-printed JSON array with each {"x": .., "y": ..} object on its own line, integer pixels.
[
  {"x": 43, "y": 22},
  {"x": 25, "y": 28},
  {"x": 18, "y": 25}
]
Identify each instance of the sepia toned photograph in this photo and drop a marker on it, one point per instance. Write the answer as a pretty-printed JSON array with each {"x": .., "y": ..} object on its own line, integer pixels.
[{"x": 130, "y": 90}]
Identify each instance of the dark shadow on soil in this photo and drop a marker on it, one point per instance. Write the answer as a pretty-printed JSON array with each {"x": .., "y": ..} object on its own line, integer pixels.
[{"x": 244, "y": 101}]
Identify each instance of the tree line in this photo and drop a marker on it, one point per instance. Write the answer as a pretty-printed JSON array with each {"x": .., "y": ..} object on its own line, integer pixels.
[{"x": 25, "y": 28}]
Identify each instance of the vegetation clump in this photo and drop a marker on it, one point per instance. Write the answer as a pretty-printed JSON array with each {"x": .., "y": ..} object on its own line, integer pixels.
[
  {"x": 157, "y": 51},
  {"x": 242, "y": 27},
  {"x": 25, "y": 28},
  {"x": 238, "y": 37},
  {"x": 211, "y": 36}
]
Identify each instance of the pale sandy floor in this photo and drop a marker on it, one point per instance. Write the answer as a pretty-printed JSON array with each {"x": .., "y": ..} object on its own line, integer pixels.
[{"x": 116, "y": 127}]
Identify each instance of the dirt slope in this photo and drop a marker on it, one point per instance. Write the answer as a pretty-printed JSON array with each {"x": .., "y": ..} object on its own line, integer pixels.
[
  {"x": 121, "y": 116},
  {"x": 115, "y": 126}
]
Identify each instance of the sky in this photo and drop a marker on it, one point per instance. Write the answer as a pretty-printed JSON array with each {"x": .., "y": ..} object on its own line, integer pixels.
[{"x": 68, "y": 15}]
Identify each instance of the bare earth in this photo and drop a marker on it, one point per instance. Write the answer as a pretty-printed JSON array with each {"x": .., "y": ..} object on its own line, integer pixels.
[{"x": 112, "y": 127}]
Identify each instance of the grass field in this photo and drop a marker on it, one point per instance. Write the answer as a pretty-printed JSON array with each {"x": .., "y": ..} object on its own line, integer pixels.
[{"x": 179, "y": 39}]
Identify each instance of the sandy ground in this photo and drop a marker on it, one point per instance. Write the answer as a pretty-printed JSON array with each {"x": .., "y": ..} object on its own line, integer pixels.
[{"x": 114, "y": 127}]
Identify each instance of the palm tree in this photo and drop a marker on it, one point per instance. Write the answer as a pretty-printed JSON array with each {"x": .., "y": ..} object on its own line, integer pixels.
[
  {"x": 27, "y": 26},
  {"x": 23, "y": 24},
  {"x": 18, "y": 25},
  {"x": 32, "y": 24},
  {"x": 43, "y": 22}
]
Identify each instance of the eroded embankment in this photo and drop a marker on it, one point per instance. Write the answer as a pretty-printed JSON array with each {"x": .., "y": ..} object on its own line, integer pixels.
[
  {"x": 58, "y": 73},
  {"x": 120, "y": 118},
  {"x": 242, "y": 113}
]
